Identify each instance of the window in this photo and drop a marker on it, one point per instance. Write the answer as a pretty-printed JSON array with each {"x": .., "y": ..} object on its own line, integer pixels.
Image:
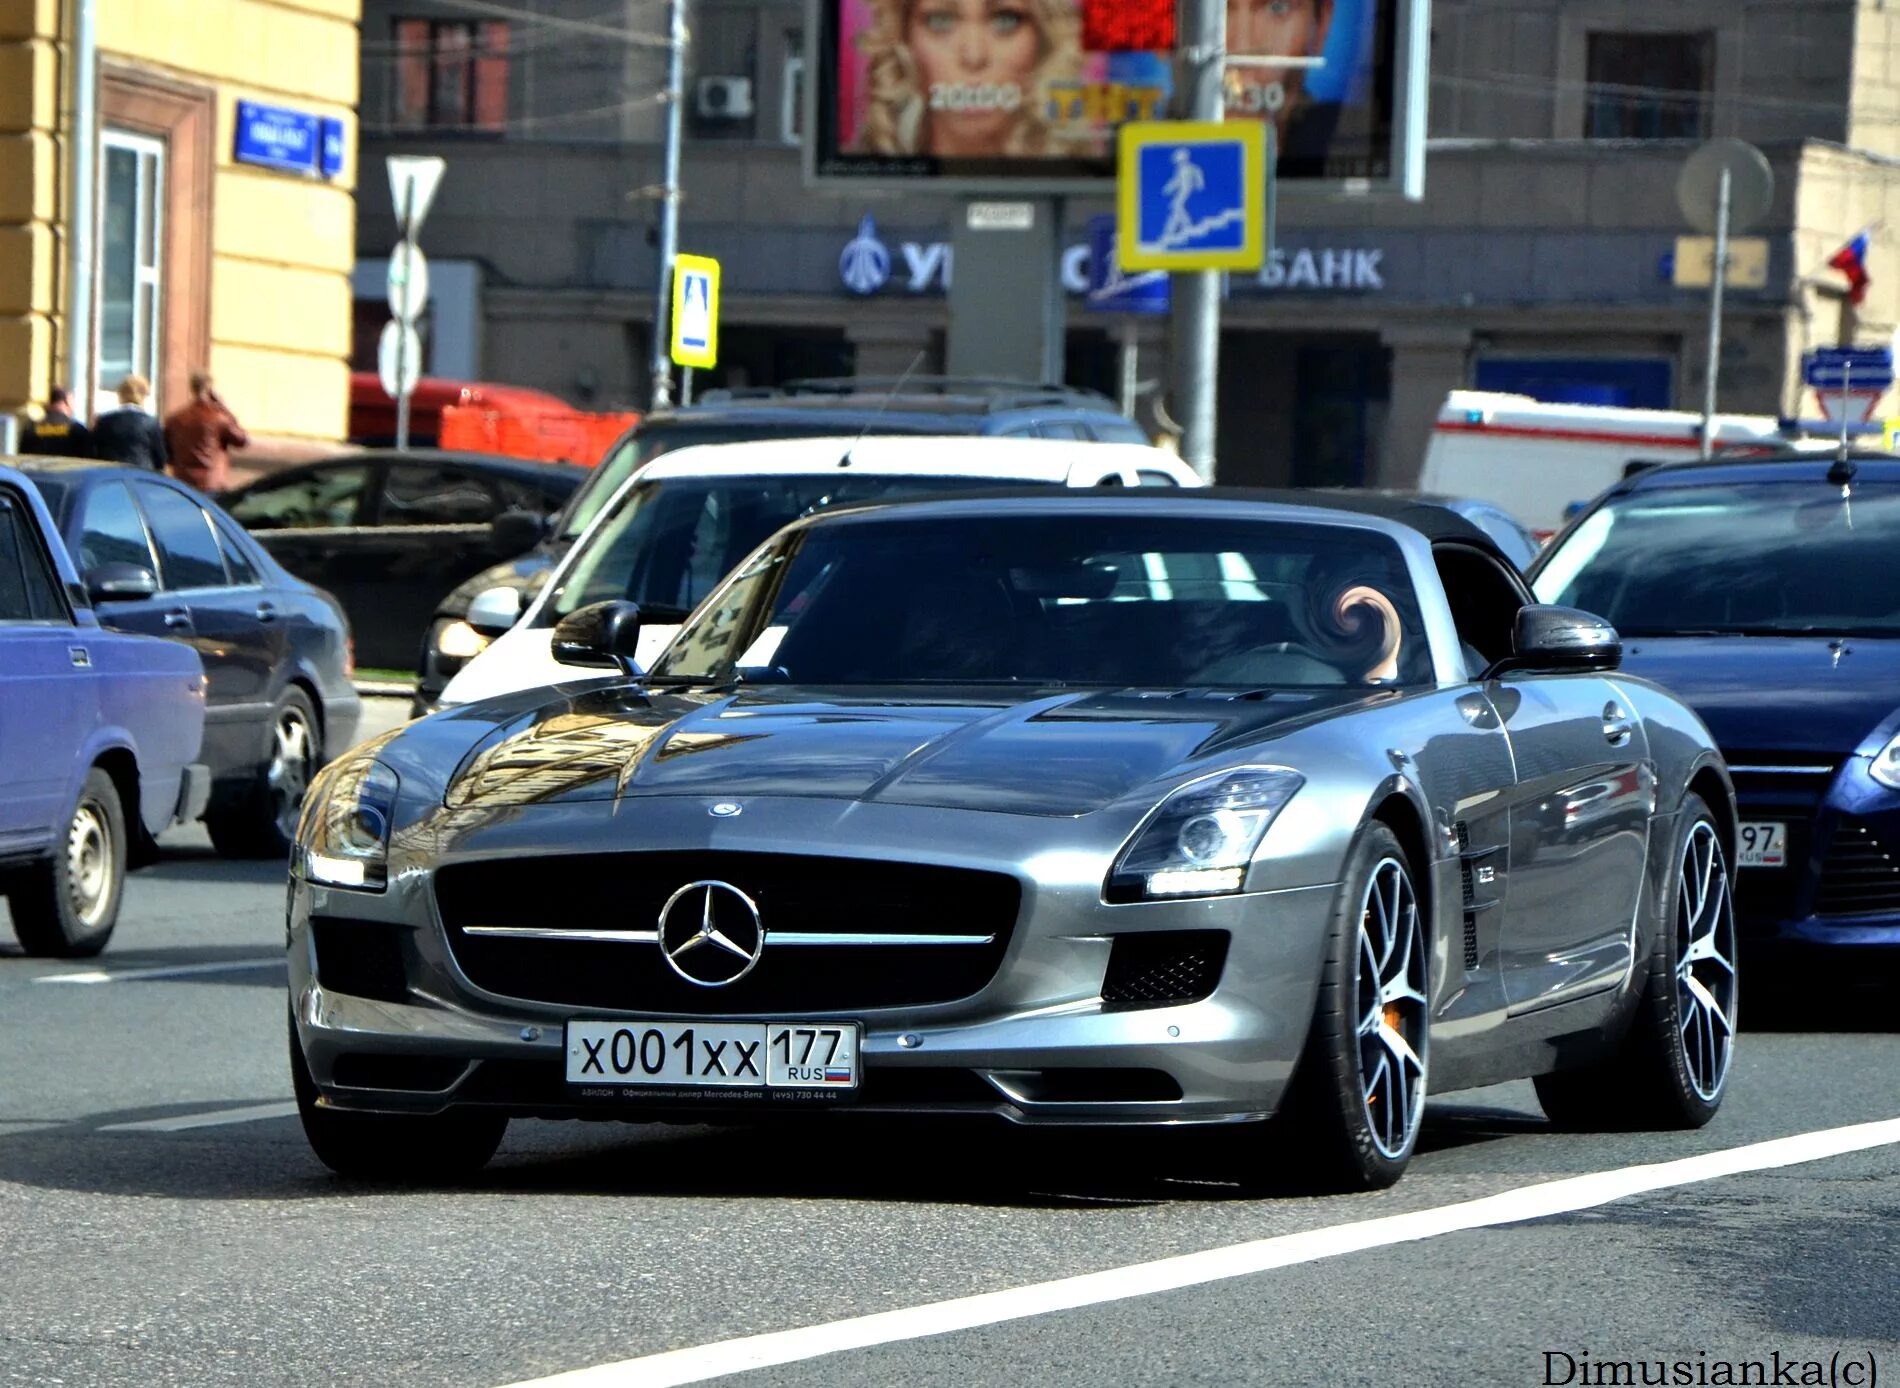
[
  {"x": 416, "y": 495},
  {"x": 1147, "y": 477},
  {"x": 791, "y": 115},
  {"x": 452, "y": 74},
  {"x": 112, "y": 532},
  {"x": 1649, "y": 86},
  {"x": 188, "y": 552},
  {"x": 321, "y": 499},
  {"x": 236, "y": 562},
  {"x": 130, "y": 244},
  {"x": 29, "y": 592}
]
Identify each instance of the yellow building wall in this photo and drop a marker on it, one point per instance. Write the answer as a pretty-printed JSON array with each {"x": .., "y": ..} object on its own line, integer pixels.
[
  {"x": 281, "y": 245},
  {"x": 31, "y": 194}
]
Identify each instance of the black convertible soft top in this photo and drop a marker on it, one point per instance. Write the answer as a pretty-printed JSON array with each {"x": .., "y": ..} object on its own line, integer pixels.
[{"x": 1436, "y": 522}]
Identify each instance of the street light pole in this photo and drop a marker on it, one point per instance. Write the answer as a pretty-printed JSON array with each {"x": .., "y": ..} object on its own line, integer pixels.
[
  {"x": 1715, "y": 314},
  {"x": 662, "y": 393},
  {"x": 1195, "y": 346}
]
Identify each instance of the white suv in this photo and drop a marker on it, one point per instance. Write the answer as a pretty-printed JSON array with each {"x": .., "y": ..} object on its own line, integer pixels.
[{"x": 678, "y": 525}]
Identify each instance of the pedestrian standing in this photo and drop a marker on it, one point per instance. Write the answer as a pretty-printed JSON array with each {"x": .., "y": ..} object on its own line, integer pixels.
[
  {"x": 57, "y": 432},
  {"x": 199, "y": 438},
  {"x": 129, "y": 434}
]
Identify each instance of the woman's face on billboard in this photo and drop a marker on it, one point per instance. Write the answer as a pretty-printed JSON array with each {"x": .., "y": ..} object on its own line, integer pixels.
[
  {"x": 1284, "y": 28},
  {"x": 975, "y": 59}
]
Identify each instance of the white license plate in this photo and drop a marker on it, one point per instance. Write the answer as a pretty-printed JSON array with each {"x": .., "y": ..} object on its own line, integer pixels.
[
  {"x": 696, "y": 1055},
  {"x": 1764, "y": 844}
]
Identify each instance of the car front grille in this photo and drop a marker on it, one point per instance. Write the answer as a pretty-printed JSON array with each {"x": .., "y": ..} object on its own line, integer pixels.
[
  {"x": 940, "y": 932},
  {"x": 1861, "y": 876},
  {"x": 1780, "y": 788}
]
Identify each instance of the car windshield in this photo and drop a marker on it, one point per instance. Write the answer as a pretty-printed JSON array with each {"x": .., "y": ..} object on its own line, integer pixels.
[
  {"x": 1761, "y": 558},
  {"x": 1057, "y": 600},
  {"x": 670, "y": 541},
  {"x": 652, "y": 440}
]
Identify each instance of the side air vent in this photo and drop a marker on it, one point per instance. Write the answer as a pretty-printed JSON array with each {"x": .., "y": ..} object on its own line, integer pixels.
[{"x": 1462, "y": 833}]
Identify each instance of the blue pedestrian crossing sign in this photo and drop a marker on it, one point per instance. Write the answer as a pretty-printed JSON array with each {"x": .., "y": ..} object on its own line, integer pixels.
[
  {"x": 1192, "y": 195},
  {"x": 695, "y": 311}
]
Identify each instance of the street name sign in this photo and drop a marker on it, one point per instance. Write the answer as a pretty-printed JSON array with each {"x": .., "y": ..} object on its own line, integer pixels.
[
  {"x": 1192, "y": 195},
  {"x": 695, "y": 311}
]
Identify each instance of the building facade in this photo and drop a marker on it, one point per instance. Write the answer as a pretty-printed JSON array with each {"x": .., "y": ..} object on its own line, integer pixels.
[
  {"x": 1540, "y": 260},
  {"x": 225, "y": 215}
]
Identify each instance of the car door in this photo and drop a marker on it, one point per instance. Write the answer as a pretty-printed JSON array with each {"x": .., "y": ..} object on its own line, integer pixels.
[
  {"x": 1579, "y": 807},
  {"x": 315, "y": 522},
  {"x": 48, "y": 692},
  {"x": 431, "y": 530},
  {"x": 109, "y": 528},
  {"x": 236, "y": 636}
]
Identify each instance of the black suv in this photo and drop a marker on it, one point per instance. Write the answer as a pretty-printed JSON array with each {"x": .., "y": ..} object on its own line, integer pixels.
[{"x": 935, "y": 405}]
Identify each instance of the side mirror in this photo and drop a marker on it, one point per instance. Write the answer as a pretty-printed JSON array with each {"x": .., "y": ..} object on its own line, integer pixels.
[
  {"x": 603, "y": 635},
  {"x": 493, "y": 610},
  {"x": 514, "y": 531},
  {"x": 1561, "y": 639},
  {"x": 121, "y": 583}
]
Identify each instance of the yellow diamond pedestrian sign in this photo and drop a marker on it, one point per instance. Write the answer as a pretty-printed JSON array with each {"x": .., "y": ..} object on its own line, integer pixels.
[
  {"x": 695, "y": 311},
  {"x": 1192, "y": 195}
]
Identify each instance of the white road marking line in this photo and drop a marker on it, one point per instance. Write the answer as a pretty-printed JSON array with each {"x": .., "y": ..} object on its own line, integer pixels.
[
  {"x": 164, "y": 971},
  {"x": 702, "y": 1362},
  {"x": 250, "y": 1113}
]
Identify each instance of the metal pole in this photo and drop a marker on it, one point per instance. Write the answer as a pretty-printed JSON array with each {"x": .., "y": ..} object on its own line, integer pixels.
[
  {"x": 1847, "y": 400},
  {"x": 686, "y": 385},
  {"x": 1131, "y": 375},
  {"x": 662, "y": 394},
  {"x": 83, "y": 215},
  {"x": 405, "y": 316},
  {"x": 1715, "y": 318},
  {"x": 1196, "y": 325}
]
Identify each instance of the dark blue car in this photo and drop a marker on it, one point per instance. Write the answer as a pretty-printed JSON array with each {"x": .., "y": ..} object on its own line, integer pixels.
[
  {"x": 99, "y": 736},
  {"x": 157, "y": 557},
  {"x": 1767, "y": 595}
]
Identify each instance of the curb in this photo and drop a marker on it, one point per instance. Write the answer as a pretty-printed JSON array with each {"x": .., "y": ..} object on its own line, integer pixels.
[{"x": 384, "y": 689}]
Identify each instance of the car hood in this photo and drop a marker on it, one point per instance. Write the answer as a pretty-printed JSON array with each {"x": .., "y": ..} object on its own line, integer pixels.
[
  {"x": 1772, "y": 693},
  {"x": 1061, "y": 753}
]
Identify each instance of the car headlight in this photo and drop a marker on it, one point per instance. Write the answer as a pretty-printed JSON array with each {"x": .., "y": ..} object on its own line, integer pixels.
[
  {"x": 1203, "y": 836},
  {"x": 460, "y": 641},
  {"x": 1886, "y": 767},
  {"x": 344, "y": 838}
]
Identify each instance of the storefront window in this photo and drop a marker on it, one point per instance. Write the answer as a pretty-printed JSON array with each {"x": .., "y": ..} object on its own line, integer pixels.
[{"x": 130, "y": 242}]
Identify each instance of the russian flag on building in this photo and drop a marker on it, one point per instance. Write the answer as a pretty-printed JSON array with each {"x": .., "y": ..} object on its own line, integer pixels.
[{"x": 1851, "y": 260}]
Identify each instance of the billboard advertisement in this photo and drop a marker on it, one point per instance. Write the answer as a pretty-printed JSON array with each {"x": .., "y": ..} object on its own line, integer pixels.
[{"x": 1028, "y": 94}]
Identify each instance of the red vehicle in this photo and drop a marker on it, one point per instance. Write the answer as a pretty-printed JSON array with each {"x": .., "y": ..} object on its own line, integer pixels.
[{"x": 475, "y": 416}]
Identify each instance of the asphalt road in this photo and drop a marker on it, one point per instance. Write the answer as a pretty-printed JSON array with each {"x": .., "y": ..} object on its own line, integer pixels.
[{"x": 161, "y": 1222}]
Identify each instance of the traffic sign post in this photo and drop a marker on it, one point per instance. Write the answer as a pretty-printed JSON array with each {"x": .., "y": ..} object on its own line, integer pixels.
[
  {"x": 695, "y": 311},
  {"x": 1113, "y": 290},
  {"x": 413, "y": 179},
  {"x": 1725, "y": 187}
]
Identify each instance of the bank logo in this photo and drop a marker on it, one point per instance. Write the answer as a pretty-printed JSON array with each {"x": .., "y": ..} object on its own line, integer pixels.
[{"x": 865, "y": 263}]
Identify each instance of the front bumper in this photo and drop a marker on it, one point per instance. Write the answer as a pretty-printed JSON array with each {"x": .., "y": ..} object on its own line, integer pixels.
[
  {"x": 1840, "y": 889},
  {"x": 1036, "y": 1045}
]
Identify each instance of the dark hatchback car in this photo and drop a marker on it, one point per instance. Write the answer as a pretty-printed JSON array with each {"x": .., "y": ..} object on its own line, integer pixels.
[
  {"x": 1767, "y": 595},
  {"x": 389, "y": 533},
  {"x": 924, "y": 405},
  {"x": 158, "y": 558}
]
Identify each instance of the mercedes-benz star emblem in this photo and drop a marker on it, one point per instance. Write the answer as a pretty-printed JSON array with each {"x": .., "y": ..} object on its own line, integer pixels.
[{"x": 710, "y": 933}]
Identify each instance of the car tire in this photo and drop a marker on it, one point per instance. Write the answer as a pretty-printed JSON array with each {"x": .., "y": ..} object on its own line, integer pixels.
[
  {"x": 1671, "y": 1068},
  {"x": 66, "y": 908},
  {"x": 264, "y": 822},
  {"x": 394, "y": 1148},
  {"x": 1352, "y": 1113}
]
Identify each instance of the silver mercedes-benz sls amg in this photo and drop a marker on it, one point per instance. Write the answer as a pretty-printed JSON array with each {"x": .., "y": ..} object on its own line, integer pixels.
[{"x": 1100, "y": 809}]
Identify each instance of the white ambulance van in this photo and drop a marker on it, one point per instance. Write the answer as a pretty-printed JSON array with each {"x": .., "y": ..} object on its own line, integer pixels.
[{"x": 1536, "y": 460}]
